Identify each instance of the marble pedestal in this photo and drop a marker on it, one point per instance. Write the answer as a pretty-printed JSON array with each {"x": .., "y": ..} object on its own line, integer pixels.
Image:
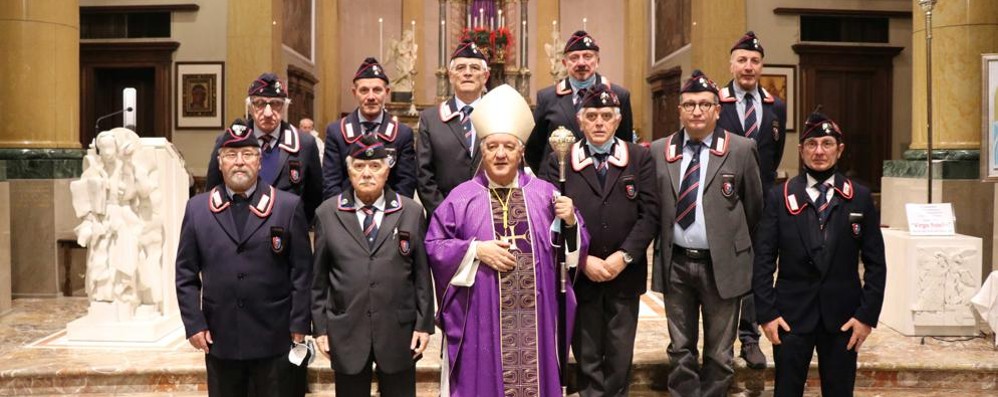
[
  {"x": 930, "y": 280},
  {"x": 102, "y": 324},
  {"x": 40, "y": 212}
]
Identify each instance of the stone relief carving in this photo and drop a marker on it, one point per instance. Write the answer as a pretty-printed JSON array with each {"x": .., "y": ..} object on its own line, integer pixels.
[{"x": 945, "y": 284}]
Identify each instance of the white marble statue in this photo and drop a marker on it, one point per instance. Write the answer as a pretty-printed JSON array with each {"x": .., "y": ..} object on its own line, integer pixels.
[
  {"x": 404, "y": 53},
  {"x": 118, "y": 200},
  {"x": 554, "y": 51}
]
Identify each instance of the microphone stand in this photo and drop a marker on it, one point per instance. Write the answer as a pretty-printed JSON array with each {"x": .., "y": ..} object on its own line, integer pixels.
[
  {"x": 112, "y": 114},
  {"x": 561, "y": 141}
]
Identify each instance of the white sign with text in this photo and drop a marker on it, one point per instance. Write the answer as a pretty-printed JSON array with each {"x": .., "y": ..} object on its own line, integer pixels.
[{"x": 931, "y": 219}]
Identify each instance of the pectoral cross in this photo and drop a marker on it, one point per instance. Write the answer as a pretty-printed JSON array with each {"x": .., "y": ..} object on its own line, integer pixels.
[{"x": 511, "y": 239}]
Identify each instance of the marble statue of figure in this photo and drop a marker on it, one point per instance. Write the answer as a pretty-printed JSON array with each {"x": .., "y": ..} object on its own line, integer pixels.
[
  {"x": 119, "y": 203},
  {"x": 554, "y": 51},
  {"x": 403, "y": 53}
]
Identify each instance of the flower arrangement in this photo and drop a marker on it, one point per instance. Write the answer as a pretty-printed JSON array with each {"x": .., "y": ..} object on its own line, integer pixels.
[{"x": 496, "y": 44}]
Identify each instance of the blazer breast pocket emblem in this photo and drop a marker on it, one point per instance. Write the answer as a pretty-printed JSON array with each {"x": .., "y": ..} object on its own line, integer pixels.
[
  {"x": 294, "y": 171},
  {"x": 405, "y": 245},
  {"x": 277, "y": 239},
  {"x": 630, "y": 187},
  {"x": 727, "y": 185}
]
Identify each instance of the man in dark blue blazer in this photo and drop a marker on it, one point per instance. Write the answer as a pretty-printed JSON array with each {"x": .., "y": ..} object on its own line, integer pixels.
[
  {"x": 749, "y": 110},
  {"x": 370, "y": 88},
  {"x": 243, "y": 275},
  {"x": 817, "y": 226},
  {"x": 290, "y": 158},
  {"x": 558, "y": 104}
]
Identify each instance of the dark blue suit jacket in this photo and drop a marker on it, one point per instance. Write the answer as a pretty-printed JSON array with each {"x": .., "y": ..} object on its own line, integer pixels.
[
  {"x": 556, "y": 109},
  {"x": 341, "y": 133},
  {"x": 818, "y": 282},
  {"x": 299, "y": 163},
  {"x": 772, "y": 133},
  {"x": 249, "y": 288}
]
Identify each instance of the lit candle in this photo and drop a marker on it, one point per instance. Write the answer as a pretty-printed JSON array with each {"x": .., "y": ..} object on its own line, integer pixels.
[
  {"x": 523, "y": 44},
  {"x": 500, "y": 18},
  {"x": 381, "y": 38},
  {"x": 413, "y": 29},
  {"x": 584, "y": 20},
  {"x": 481, "y": 17},
  {"x": 442, "y": 42},
  {"x": 554, "y": 25},
  {"x": 492, "y": 23},
  {"x": 468, "y": 11}
]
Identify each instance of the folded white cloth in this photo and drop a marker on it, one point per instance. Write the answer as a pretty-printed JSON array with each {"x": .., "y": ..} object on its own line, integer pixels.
[{"x": 986, "y": 302}]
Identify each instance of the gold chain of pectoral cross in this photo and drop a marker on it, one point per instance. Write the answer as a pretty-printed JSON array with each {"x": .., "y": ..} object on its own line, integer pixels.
[{"x": 508, "y": 234}]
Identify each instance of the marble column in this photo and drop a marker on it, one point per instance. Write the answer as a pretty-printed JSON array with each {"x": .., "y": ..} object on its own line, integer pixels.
[
  {"x": 5, "y": 299},
  {"x": 961, "y": 32},
  {"x": 636, "y": 34},
  {"x": 716, "y": 25},
  {"x": 328, "y": 52},
  {"x": 251, "y": 49},
  {"x": 40, "y": 41},
  {"x": 39, "y": 138}
]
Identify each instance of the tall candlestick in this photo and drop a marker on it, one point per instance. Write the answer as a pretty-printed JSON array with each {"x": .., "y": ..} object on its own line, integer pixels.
[
  {"x": 381, "y": 39},
  {"x": 584, "y": 20},
  {"x": 442, "y": 42}
]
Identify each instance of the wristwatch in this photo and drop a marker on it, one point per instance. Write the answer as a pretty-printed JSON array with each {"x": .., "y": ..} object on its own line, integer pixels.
[{"x": 627, "y": 258}]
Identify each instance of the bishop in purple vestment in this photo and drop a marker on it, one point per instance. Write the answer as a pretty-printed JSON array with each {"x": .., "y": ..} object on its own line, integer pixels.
[{"x": 494, "y": 265}]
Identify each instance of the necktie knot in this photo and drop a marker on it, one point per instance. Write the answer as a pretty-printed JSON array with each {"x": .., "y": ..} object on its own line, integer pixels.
[
  {"x": 368, "y": 209},
  {"x": 265, "y": 141},
  {"x": 466, "y": 111},
  {"x": 822, "y": 188},
  {"x": 369, "y": 126},
  {"x": 239, "y": 198},
  {"x": 748, "y": 98},
  {"x": 695, "y": 147}
]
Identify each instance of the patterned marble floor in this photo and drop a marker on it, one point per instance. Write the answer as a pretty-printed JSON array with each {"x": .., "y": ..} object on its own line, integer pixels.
[{"x": 32, "y": 363}]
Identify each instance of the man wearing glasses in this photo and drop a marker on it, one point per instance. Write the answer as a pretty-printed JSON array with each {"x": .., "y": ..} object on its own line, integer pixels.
[
  {"x": 446, "y": 148},
  {"x": 711, "y": 200},
  {"x": 370, "y": 89},
  {"x": 818, "y": 224},
  {"x": 289, "y": 159},
  {"x": 557, "y": 105},
  {"x": 613, "y": 181},
  {"x": 244, "y": 266}
]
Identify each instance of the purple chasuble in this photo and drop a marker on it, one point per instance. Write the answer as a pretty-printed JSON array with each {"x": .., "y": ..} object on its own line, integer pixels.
[{"x": 500, "y": 333}]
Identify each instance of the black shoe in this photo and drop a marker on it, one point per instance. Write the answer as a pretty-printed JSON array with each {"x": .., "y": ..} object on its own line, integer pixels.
[{"x": 753, "y": 356}]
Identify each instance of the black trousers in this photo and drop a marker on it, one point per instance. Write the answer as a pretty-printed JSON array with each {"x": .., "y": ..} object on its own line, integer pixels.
[
  {"x": 235, "y": 378},
  {"x": 836, "y": 365},
  {"x": 603, "y": 344},
  {"x": 401, "y": 384}
]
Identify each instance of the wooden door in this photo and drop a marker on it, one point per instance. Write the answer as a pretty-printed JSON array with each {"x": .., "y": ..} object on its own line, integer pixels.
[
  {"x": 108, "y": 67},
  {"x": 853, "y": 84}
]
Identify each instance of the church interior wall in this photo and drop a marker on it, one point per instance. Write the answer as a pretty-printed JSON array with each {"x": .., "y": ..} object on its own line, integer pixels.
[
  {"x": 359, "y": 34},
  {"x": 605, "y": 22},
  {"x": 202, "y": 37},
  {"x": 780, "y": 32}
]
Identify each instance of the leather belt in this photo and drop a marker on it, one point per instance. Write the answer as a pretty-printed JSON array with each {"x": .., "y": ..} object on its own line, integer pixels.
[{"x": 691, "y": 253}]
